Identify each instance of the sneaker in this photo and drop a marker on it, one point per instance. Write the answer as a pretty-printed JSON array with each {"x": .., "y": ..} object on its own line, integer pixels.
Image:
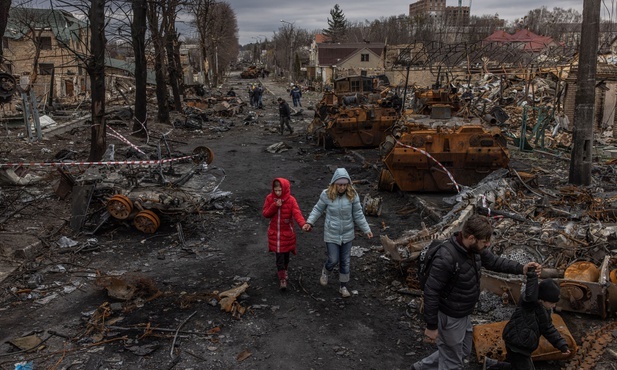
[
  {"x": 283, "y": 285},
  {"x": 344, "y": 292},
  {"x": 323, "y": 279}
]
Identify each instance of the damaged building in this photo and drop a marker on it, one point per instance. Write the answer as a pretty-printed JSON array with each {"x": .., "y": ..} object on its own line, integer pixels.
[{"x": 55, "y": 38}]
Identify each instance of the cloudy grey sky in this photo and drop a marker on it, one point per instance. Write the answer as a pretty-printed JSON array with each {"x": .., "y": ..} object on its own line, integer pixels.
[{"x": 261, "y": 18}]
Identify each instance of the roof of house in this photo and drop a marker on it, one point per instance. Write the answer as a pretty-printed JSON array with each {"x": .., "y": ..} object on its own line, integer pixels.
[
  {"x": 531, "y": 41},
  {"x": 64, "y": 25},
  {"x": 320, "y": 38},
  {"x": 331, "y": 54},
  {"x": 129, "y": 67}
]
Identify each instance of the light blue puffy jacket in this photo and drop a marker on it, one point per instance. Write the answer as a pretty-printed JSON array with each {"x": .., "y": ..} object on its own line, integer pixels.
[{"x": 341, "y": 214}]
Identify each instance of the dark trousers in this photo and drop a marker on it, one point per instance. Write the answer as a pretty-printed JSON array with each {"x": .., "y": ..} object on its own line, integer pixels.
[
  {"x": 285, "y": 122},
  {"x": 518, "y": 361},
  {"x": 282, "y": 260}
]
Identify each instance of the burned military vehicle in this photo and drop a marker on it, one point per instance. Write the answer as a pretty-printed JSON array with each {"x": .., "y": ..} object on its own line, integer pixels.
[
  {"x": 356, "y": 113},
  {"x": 441, "y": 158},
  {"x": 142, "y": 192}
]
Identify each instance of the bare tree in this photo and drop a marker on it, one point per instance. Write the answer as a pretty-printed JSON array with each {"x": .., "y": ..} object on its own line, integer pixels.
[
  {"x": 5, "y": 5},
  {"x": 218, "y": 35},
  {"x": 157, "y": 31},
  {"x": 393, "y": 30},
  {"x": 550, "y": 23},
  {"x": 172, "y": 49},
  {"x": 138, "y": 34},
  {"x": 95, "y": 65},
  {"x": 201, "y": 10}
]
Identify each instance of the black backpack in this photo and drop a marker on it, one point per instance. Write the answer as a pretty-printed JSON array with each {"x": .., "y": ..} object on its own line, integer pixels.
[{"x": 425, "y": 261}]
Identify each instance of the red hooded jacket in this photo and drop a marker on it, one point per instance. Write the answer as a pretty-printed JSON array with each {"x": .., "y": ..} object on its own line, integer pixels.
[{"x": 281, "y": 233}]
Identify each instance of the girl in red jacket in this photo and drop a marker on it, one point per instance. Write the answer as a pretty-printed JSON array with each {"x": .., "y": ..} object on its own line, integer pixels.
[{"x": 282, "y": 209}]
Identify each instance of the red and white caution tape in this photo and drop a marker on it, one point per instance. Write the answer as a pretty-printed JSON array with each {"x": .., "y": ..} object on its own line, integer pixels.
[
  {"x": 118, "y": 136},
  {"x": 458, "y": 189},
  {"x": 106, "y": 163}
]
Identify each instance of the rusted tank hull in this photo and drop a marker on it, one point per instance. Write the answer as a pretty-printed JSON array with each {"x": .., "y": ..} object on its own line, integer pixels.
[
  {"x": 357, "y": 113},
  {"x": 488, "y": 342},
  {"x": 469, "y": 153},
  {"x": 360, "y": 127}
]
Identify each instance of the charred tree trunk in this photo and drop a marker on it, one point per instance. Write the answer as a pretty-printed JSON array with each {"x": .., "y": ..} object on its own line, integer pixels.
[
  {"x": 162, "y": 95},
  {"x": 95, "y": 65},
  {"x": 138, "y": 33},
  {"x": 50, "y": 96},
  {"x": 584, "y": 100},
  {"x": 178, "y": 64},
  {"x": 202, "y": 62},
  {"x": 171, "y": 38},
  {"x": 5, "y": 5}
]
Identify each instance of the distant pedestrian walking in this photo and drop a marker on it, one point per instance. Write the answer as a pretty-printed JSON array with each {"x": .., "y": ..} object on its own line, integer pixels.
[
  {"x": 296, "y": 95},
  {"x": 284, "y": 116},
  {"x": 259, "y": 90},
  {"x": 251, "y": 91}
]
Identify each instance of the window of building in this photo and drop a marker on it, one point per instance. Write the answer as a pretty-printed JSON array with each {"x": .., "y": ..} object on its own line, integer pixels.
[
  {"x": 46, "y": 68},
  {"x": 364, "y": 57},
  {"x": 45, "y": 43},
  {"x": 5, "y": 43},
  {"x": 355, "y": 86}
]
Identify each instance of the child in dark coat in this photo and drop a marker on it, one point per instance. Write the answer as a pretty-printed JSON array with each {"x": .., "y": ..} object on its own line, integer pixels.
[
  {"x": 531, "y": 320},
  {"x": 282, "y": 209}
]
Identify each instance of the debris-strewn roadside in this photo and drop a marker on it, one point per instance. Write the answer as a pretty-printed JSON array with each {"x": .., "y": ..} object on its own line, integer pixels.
[{"x": 201, "y": 291}]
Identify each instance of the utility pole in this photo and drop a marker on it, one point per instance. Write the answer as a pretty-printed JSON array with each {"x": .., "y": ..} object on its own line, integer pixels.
[
  {"x": 584, "y": 100},
  {"x": 256, "y": 49}
]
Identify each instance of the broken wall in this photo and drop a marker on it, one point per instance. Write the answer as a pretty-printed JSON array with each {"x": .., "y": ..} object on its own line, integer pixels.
[{"x": 606, "y": 98}]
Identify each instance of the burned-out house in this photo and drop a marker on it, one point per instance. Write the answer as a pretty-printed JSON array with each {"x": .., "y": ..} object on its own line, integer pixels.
[{"x": 40, "y": 49}]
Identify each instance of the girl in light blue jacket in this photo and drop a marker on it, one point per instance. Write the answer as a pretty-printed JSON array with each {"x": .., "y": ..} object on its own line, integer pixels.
[{"x": 341, "y": 204}]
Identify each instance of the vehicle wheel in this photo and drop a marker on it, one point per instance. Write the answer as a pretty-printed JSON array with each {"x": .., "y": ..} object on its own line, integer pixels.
[{"x": 120, "y": 207}]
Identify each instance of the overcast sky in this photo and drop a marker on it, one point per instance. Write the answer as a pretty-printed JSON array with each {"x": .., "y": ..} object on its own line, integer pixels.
[{"x": 261, "y": 18}]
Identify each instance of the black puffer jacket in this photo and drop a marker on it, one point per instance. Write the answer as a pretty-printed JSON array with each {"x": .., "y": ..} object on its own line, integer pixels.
[
  {"x": 529, "y": 321},
  {"x": 464, "y": 289}
]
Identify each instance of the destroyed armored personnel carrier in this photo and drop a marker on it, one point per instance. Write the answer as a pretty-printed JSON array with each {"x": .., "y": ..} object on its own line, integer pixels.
[
  {"x": 356, "y": 113},
  {"x": 440, "y": 159}
]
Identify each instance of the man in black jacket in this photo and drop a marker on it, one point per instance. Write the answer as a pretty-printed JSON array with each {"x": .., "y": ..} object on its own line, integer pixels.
[
  {"x": 450, "y": 297},
  {"x": 284, "y": 115}
]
